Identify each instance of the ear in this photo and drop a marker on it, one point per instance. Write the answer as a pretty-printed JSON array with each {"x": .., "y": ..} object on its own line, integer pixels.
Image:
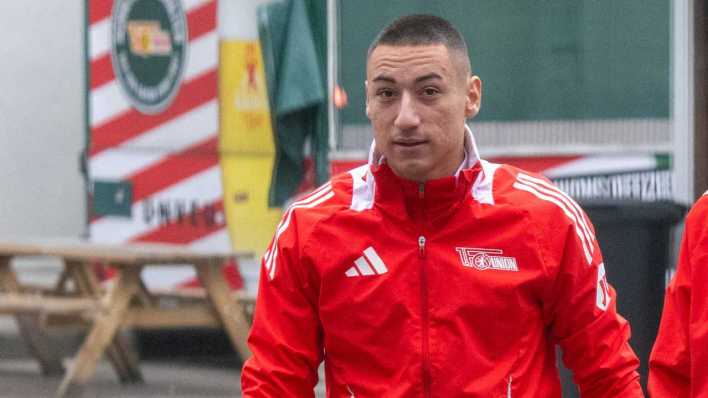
[
  {"x": 366, "y": 98},
  {"x": 474, "y": 96}
]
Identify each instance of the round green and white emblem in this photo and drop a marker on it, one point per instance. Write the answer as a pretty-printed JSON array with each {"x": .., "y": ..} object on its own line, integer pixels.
[{"x": 149, "y": 51}]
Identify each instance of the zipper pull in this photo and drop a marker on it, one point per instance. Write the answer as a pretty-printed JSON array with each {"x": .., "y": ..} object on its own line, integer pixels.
[
  {"x": 421, "y": 190},
  {"x": 421, "y": 246}
]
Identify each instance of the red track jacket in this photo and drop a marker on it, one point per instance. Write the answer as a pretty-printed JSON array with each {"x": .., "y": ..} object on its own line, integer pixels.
[
  {"x": 678, "y": 366},
  {"x": 459, "y": 287}
]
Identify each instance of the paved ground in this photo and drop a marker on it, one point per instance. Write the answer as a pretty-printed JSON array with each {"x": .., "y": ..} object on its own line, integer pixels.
[
  {"x": 171, "y": 378},
  {"x": 198, "y": 372},
  {"x": 190, "y": 376}
]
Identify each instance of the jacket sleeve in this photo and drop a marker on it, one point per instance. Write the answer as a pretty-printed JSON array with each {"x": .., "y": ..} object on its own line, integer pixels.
[
  {"x": 680, "y": 353},
  {"x": 580, "y": 308},
  {"x": 669, "y": 363},
  {"x": 285, "y": 339}
]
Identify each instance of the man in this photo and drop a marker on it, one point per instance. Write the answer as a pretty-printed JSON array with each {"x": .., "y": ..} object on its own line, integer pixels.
[
  {"x": 430, "y": 272},
  {"x": 677, "y": 366}
]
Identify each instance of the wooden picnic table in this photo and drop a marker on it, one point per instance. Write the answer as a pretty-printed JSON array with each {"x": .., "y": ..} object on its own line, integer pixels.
[{"x": 125, "y": 301}]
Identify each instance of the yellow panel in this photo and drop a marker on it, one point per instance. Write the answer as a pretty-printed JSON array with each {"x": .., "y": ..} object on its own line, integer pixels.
[
  {"x": 243, "y": 99},
  {"x": 246, "y": 146},
  {"x": 250, "y": 221}
]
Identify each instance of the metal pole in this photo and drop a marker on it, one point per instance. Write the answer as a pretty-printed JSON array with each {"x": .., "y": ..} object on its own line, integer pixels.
[
  {"x": 332, "y": 55},
  {"x": 701, "y": 97},
  {"x": 682, "y": 105}
]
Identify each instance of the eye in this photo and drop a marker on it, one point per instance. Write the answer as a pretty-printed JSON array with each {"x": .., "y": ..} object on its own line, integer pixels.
[
  {"x": 385, "y": 93},
  {"x": 430, "y": 91}
]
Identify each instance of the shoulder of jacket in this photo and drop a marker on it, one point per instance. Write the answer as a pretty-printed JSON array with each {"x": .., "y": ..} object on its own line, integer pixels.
[
  {"x": 331, "y": 197},
  {"x": 511, "y": 186},
  {"x": 698, "y": 214},
  {"x": 536, "y": 194},
  {"x": 549, "y": 209}
]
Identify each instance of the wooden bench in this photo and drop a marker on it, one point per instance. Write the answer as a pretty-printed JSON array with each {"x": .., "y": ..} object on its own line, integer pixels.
[
  {"x": 13, "y": 303},
  {"x": 125, "y": 302}
]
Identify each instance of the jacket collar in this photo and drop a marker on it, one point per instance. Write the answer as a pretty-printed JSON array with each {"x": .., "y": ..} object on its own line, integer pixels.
[
  {"x": 431, "y": 202},
  {"x": 376, "y": 181},
  {"x": 471, "y": 153}
]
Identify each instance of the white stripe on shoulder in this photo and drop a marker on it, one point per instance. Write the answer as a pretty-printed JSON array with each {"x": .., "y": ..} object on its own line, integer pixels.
[
  {"x": 306, "y": 199},
  {"x": 316, "y": 192},
  {"x": 548, "y": 188},
  {"x": 482, "y": 187},
  {"x": 705, "y": 193},
  {"x": 363, "y": 188},
  {"x": 587, "y": 246},
  {"x": 320, "y": 196}
]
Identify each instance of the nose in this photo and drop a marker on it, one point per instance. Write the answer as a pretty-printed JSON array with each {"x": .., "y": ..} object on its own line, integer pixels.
[{"x": 407, "y": 117}]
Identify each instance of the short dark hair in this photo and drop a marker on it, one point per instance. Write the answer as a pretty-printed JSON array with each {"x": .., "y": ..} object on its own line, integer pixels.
[{"x": 421, "y": 30}]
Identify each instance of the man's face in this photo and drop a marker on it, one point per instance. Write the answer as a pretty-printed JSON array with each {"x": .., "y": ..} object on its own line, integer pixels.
[{"x": 418, "y": 98}]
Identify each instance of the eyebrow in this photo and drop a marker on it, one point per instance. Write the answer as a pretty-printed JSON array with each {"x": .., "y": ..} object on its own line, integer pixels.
[
  {"x": 383, "y": 78},
  {"x": 429, "y": 76}
]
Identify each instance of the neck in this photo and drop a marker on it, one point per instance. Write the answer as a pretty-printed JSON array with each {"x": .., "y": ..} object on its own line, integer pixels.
[{"x": 451, "y": 168}]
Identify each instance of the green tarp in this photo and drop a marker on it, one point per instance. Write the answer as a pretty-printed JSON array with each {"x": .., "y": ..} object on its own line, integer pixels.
[{"x": 292, "y": 36}]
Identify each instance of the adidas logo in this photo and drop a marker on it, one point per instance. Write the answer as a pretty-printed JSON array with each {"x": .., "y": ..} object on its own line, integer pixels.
[{"x": 368, "y": 264}]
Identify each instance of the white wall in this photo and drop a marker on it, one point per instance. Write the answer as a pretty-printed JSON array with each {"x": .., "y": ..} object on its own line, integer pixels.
[{"x": 41, "y": 117}]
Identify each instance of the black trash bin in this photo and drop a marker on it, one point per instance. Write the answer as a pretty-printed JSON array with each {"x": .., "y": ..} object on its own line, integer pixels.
[{"x": 636, "y": 241}]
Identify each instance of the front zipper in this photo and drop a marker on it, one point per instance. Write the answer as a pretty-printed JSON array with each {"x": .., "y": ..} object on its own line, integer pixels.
[
  {"x": 424, "y": 315},
  {"x": 424, "y": 294}
]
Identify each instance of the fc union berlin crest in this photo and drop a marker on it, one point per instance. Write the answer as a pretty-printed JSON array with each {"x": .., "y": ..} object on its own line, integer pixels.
[
  {"x": 484, "y": 259},
  {"x": 149, "y": 51}
]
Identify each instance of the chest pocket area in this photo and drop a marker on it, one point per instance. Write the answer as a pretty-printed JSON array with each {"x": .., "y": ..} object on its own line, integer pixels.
[{"x": 484, "y": 305}]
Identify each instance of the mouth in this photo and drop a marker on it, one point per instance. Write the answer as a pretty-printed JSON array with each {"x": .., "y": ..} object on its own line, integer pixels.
[{"x": 409, "y": 143}]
